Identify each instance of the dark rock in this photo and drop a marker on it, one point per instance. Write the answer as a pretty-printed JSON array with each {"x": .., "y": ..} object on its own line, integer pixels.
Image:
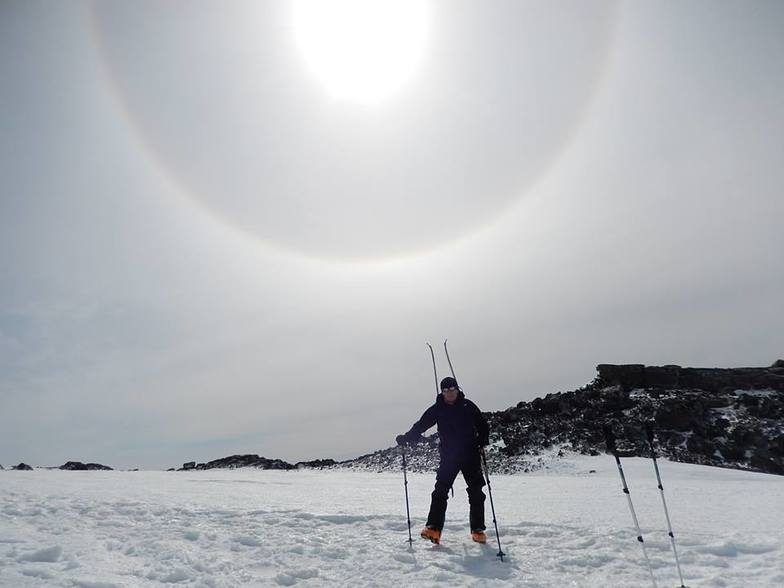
[
  {"x": 79, "y": 466},
  {"x": 700, "y": 445},
  {"x": 629, "y": 376},
  {"x": 240, "y": 461},
  {"x": 315, "y": 464},
  {"x": 730, "y": 451},
  {"x": 776, "y": 445},
  {"x": 22, "y": 467},
  {"x": 615, "y": 399},
  {"x": 677, "y": 416},
  {"x": 767, "y": 464},
  {"x": 634, "y": 376}
]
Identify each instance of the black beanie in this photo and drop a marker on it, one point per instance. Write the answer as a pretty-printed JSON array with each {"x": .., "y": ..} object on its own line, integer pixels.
[{"x": 448, "y": 382}]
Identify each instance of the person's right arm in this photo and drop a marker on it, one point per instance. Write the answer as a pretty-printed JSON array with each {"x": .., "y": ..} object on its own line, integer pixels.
[{"x": 427, "y": 420}]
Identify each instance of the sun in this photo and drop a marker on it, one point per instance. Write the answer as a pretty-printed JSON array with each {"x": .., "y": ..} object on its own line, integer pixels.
[{"x": 363, "y": 51}]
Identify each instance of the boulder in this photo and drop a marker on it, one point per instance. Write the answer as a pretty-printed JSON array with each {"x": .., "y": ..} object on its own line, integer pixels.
[
  {"x": 675, "y": 416},
  {"x": 628, "y": 376},
  {"x": 615, "y": 399}
]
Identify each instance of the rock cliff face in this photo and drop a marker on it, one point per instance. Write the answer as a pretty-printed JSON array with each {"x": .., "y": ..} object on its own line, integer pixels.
[{"x": 722, "y": 417}]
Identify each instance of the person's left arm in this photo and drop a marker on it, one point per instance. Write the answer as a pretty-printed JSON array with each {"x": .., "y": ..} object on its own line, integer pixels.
[{"x": 481, "y": 427}]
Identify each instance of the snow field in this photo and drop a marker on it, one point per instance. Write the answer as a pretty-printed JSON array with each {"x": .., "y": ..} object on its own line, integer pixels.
[{"x": 562, "y": 527}]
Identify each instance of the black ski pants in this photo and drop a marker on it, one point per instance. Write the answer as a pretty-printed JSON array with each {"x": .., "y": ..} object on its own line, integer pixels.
[{"x": 471, "y": 466}]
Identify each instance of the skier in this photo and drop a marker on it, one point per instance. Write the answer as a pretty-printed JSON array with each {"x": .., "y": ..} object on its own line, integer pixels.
[{"x": 462, "y": 431}]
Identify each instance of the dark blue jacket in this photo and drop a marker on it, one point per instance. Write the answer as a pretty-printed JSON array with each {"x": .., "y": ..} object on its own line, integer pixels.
[{"x": 461, "y": 426}]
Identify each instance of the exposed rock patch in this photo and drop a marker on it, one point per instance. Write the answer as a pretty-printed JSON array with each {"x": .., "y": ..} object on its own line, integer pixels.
[
  {"x": 239, "y": 461},
  {"x": 79, "y": 466}
]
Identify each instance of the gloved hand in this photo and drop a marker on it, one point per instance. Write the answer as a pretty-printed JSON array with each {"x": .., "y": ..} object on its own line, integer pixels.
[
  {"x": 484, "y": 441},
  {"x": 401, "y": 440}
]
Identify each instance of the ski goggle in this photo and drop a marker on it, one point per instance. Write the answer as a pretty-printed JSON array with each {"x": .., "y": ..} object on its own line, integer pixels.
[{"x": 450, "y": 389}]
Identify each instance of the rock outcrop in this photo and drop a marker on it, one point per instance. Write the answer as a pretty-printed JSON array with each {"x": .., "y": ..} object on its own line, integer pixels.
[
  {"x": 239, "y": 461},
  {"x": 315, "y": 464},
  {"x": 79, "y": 466},
  {"x": 22, "y": 467},
  {"x": 674, "y": 377},
  {"x": 254, "y": 461}
]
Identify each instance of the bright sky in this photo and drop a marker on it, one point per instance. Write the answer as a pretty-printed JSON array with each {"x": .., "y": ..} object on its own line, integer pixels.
[{"x": 232, "y": 229}]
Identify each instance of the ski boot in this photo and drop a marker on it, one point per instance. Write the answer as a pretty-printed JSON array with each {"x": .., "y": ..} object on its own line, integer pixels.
[
  {"x": 479, "y": 536},
  {"x": 433, "y": 535}
]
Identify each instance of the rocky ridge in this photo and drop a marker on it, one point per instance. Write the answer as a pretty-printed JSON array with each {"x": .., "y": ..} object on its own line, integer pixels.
[{"x": 731, "y": 417}]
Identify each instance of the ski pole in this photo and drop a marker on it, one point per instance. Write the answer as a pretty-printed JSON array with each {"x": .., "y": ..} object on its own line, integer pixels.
[
  {"x": 405, "y": 486},
  {"x": 649, "y": 433},
  {"x": 500, "y": 553},
  {"x": 610, "y": 439}
]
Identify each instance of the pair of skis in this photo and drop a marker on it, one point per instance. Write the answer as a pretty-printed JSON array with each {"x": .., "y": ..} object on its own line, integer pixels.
[
  {"x": 500, "y": 553},
  {"x": 610, "y": 440}
]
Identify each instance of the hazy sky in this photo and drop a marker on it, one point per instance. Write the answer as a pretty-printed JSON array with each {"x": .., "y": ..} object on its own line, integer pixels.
[{"x": 212, "y": 243}]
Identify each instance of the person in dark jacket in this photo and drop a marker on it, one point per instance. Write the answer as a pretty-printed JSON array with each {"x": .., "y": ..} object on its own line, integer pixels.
[{"x": 463, "y": 431}]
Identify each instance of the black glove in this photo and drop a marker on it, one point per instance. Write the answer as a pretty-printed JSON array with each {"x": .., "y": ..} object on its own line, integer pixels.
[
  {"x": 484, "y": 441},
  {"x": 401, "y": 439}
]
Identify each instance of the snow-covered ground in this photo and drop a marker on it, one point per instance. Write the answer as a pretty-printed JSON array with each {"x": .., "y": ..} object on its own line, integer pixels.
[{"x": 559, "y": 527}]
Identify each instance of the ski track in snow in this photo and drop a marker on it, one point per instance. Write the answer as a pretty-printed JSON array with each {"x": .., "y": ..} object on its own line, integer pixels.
[{"x": 563, "y": 527}]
